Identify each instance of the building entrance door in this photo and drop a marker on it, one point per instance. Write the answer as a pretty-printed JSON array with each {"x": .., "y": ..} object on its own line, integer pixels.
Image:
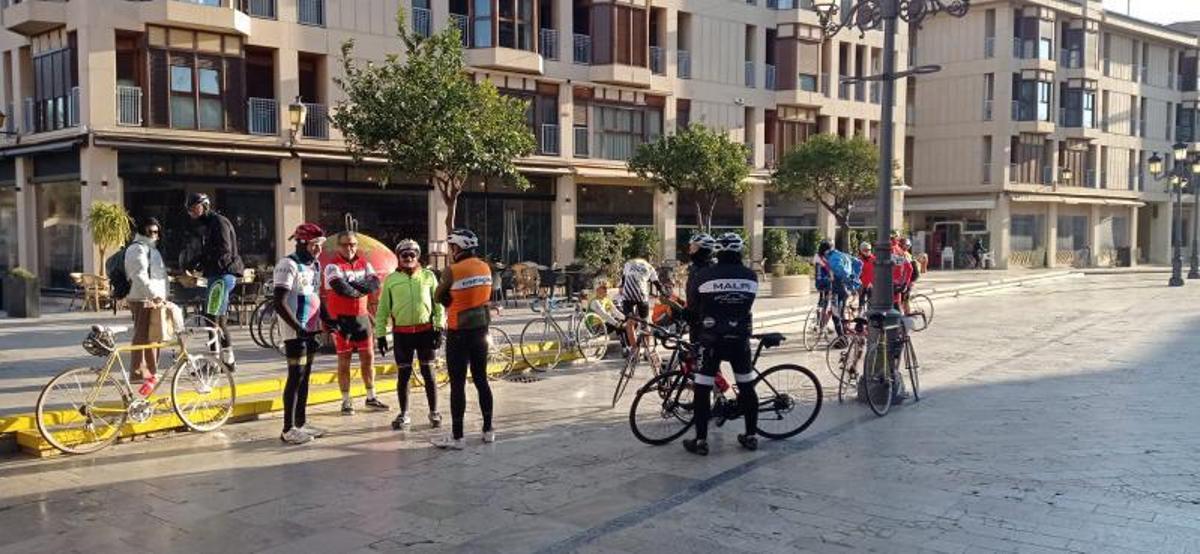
[{"x": 945, "y": 233}]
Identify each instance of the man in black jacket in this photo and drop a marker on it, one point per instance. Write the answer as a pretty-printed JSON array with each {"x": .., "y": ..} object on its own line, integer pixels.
[
  {"x": 217, "y": 259},
  {"x": 719, "y": 299}
]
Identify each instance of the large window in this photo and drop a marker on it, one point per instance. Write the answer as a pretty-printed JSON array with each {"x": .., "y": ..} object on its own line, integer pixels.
[
  {"x": 606, "y": 206},
  {"x": 513, "y": 226},
  {"x": 1026, "y": 232},
  {"x": 1079, "y": 108},
  {"x": 481, "y": 28},
  {"x": 60, "y": 232},
  {"x": 55, "y": 79},
  {"x": 196, "y": 100},
  {"x": 619, "y": 130},
  {"x": 8, "y": 228},
  {"x": 196, "y": 81},
  {"x": 1072, "y": 232}
]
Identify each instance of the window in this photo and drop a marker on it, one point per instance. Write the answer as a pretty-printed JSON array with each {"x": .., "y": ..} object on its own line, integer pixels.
[
  {"x": 630, "y": 42},
  {"x": 1045, "y": 48},
  {"x": 1044, "y": 92},
  {"x": 183, "y": 106},
  {"x": 806, "y": 82},
  {"x": 515, "y": 24},
  {"x": 481, "y": 32},
  {"x": 620, "y": 130},
  {"x": 55, "y": 78},
  {"x": 1026, "y": 232},
  {"x": 212, "y": 111}
]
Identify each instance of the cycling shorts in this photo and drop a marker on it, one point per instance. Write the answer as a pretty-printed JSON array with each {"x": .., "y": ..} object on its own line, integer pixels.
[
  {"x": 632, "y": 308},
  {"x": 219, "y": 289},
  {"x": 353, "y": 334},
  {"x": 735, "y": 350}
]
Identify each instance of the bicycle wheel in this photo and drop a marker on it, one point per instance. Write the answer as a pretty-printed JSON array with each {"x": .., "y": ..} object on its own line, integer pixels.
[
  {"x": 275, "y": 337},
  {"x": 843, "y": 361},
  {"x": 591, "y": 337},
  {"x": 662, "y": 410},
  {"x": 789, "y": 399},
  {"x": 625, "y": 376},
  {"x": 203, "y": 393},
  {"x": 921, "y": 304},
  {"x": 541, "y": 341},
  {"x": 501, "y": 354},
  {"x": 910, "y": 360},
  {"x": 815, "y": 328},
  {"x": 260, "y": 323},
  {"x": 877, "y": 383},
  {"x": 78, "y": 413}
]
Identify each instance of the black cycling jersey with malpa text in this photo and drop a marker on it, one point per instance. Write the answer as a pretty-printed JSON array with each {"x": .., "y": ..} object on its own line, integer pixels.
[{"x": 720, "y": 298}]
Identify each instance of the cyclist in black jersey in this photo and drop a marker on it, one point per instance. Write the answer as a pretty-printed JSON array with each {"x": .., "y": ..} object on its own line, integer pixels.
[{"x": 719, "y": 300}]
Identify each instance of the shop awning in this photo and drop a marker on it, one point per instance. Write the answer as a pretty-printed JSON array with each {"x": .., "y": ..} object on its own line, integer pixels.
[
  {"x": 587, "y": 172},
  {"x": 1076, "y": 200},
  {"x": 53, "y": 146},
  {"x": 948, "y": 203},
  {"x": 192, "y": 148}
]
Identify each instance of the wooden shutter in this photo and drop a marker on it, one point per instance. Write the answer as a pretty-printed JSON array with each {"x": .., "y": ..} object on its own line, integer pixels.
[{"x": 160, "y": 89}]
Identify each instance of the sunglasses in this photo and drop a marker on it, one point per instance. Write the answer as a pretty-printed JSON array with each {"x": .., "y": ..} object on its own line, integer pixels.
[
  {"x": 348, "y": 244},
  {"x": 154, "y": 232},
  {"x": 408, "y": 256}
]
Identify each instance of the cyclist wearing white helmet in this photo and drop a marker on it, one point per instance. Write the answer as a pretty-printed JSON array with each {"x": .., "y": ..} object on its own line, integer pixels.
[
  {"x": 465, "y": 291},
  {"x": 720, "y": 299},
  {"x": 407, "y": 304}
]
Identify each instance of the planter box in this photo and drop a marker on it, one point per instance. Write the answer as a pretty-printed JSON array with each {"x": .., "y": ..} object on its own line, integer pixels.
[
  {"x": 21, "y": 297},
  {"x": 792, "y": 285}
]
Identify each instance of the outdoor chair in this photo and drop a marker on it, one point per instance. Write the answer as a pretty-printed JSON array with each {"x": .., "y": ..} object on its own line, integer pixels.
[
  {"x": 947, "y": 257},
  {"x": 77, "y": 291}
]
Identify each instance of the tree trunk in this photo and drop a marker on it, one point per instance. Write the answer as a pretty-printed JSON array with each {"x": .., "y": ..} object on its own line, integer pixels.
[
  {"x": 450, "y": 192},
  {"x": 843, "y": 234},
  {"x": 103, "y": 259},
  {"x": 708, "y": 217},
  {"x": 701, "y": 227}
]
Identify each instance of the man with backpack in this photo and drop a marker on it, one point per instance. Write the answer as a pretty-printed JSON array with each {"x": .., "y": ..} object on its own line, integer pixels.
[
  {"x": 835, "y": 277},
  {"x": 141, "y": 280},
  {"x": 218, "y": 260}
]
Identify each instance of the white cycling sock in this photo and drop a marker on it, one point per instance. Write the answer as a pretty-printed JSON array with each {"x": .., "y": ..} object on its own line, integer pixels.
[
  {"x": 371, "y": 392},
  {"x": 345, "y": 397}
]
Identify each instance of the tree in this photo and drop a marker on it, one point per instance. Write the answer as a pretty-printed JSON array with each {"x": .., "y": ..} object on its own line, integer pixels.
[
  {"x": 831, "y": 171},
  {"x": 110, "y": 226},
  {"x": 426, "y": 116},
  {"x": 698, "y": 160}
]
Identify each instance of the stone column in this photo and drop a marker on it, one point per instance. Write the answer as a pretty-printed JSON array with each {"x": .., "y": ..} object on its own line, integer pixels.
[
  {"x": 1094, "y": 235},
  {"x": 1051, "y": 234},
  {"x": 439, "y": 16},
  {"x": 826, "y": 223},
  {"x": 566, "y": 120},
  {"x": 758, "y": 135},
  {"x": 671, "y": 43},
  {"x": 27, "y": 236},
  {"x": 999, "y": 221},
  {"x": 564, "y": 22},
  {"x": 562, "y": 221},
  {"x": 98, "y": 183},
  {"x": 1160, "y": 233},
  {"x": 289, "y": 203},
  {"x": 97, "y": 77},
  {"x": 752, "y": 220},
  {"x": 22, "y": 85},
  {"x": 664, "y": 222},
  {"x": 1133, "y": 235},
  {"x": 287, "y": 85}
]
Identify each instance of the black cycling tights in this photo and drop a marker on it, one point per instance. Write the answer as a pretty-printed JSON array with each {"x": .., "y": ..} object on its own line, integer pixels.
[
  {"x": 300, "y": 353},
  {"x": 737, "y": 353},
  {"x": 468, "y": 349},
  {"x": 421, "y": 344},
  {"x": 747, "y": 400}
]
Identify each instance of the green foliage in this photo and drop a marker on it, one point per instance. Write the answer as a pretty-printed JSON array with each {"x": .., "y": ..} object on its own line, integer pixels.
[
  {"x": 807, "y": 243},
  {"x": 831, "y": 171},
  {"x": 110, "y": 227},
  {"x": 607, "y": 251},
  {"x": 426, "y": 116},
  {"x": 797, "y": 266},
  {"x": 590, "y": 249},
  {"x": 778, "y": 246},
  {"x": 698, "y": 160},
  {"x": 859, "y": 236},
  {"x": 644, "y": 244},
  {"x": 22, "y": 273}
]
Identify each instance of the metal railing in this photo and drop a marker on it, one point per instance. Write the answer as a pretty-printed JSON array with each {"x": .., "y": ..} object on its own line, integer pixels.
[
  {"x": 129, "y": 106},
  {"x": 259, "y": 8},
  {"x": 843, "y": 90},
  {"x": 581, "y": 142},
  {"x": 548, "y": 139},
  {"x": 312, "y": 12},
  {"x": 73, "y": 108},
  {"x": 684, "y": 60},
  {"x": 1145, "y": 73},
  {"x": 875, "y": 92},
  {"x": 1093, "y": 178},
  {"x": 582, "y": 48},
  {"x": 860, "y": 92},
  {"x": 10, "y": 124},
  {"x": 316, "y": 125},
  {"x": 769, "y": 77},
  {"x": 989, "y": 47},
  {"x": 548, "y": 43},
  {"x": 1047, "y": 175},
  {"x": 422, "y": 21},
  {"x": 464, "y": 26},
  {"x": 1023, "y": 49},
  {"x": 1022, "y": 111},
  {"x": 1014, "y": 175},
  {"x": 262, "y": 117},
  {"x": 749, "y": 72},
  {"x": 987, "y": 110},
  {"x": 28, "y": 117},
  {"x": 1137, "y": 72},
  {"x": 658, "y": 64}
]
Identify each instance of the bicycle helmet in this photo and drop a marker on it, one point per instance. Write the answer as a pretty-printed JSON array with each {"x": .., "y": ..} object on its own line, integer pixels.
[
  {"x": 307, "y": 232},
  {"x": 463, "y": 238},
  {"x": 100, "y": 342},
  {"x": 408, "y": 245},
  {"x": 198, "y": 198},
  {"x": 824, "y": 246},
  {"x": 729, "y": 242},
  {"x": 704, "y": 241}
]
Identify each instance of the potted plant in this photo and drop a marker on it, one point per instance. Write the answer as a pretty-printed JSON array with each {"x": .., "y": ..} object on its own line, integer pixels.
[
  {"x": 110, "y": 226},
  {"x": 21, "y": 294},
  {"x": 792, "y": 277},
  {"x": 777, "y": 247}
]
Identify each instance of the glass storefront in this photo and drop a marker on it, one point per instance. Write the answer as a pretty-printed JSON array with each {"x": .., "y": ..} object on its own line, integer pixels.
[
  {"x": 726, "y": 216},
  {"x": 606, "y": 206},
  {"x": 389, "y": 215},
  {"x": 1026, "y": 232},
  {"x": 60, "y": 232},
  {"x": 8, "y": 228},
  {"x": 513, "y": 226}
]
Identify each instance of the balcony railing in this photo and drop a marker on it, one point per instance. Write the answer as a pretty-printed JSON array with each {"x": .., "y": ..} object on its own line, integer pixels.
[
  {"x": 1022, "y": 111},
  {"x": 844, "y": 90},
  {"x": 1047, "y": 175},
  {"x": 10, "y": 124},
  {"x": 1093, "y": 178},
  {"x": 312, "y": 12},
  {"x": 875, "y": 93},
  {"x": 769, "y": 77},
  {"x": 1145, "y": 73},
  {"x": 860, "y": 92},
  {"x": 259, "y": 8},
  {"x": 459, "y": 20},
  {"x": 129, "y": 106},
  {"x": 262, "y": 117},
  {"x": 987, "y": 110},
  {"x": 422, "y": 22},
  {"x": 548, "y": 43},
  {"x": 1070, "y": 58},
  {"x": 581, "y": 142},
  {"x": 1024, "y": 48},
  {"x": 73, "y": 108},
  {"x": 27, "y": 123},
  {"x": 989, "y": 47},
  {"x": 582, "y": 48},
  {"x": 749, "y": 71},
  {"x": 1014, "y": 173},
  {"x": 316, "y": 125},
  {"x": 684, "y": 59},
  {"x": 548, "y": 140},
  {"x": 769, "y": 155},
  {"x": 658, "y": 58}
]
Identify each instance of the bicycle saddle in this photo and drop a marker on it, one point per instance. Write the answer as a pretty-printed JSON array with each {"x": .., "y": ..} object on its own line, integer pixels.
[{"x": 770, "y": 340}]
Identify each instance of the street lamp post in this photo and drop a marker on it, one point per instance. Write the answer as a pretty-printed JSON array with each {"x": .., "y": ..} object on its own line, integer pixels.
[
  {"x": 1194, "y": 270},
  {"x": 1177, "y": 177},
  {"x": 871, "y": 15}
]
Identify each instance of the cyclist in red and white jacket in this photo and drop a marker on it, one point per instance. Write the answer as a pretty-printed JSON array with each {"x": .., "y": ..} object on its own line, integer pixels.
[{"x": 348, "y": 280}]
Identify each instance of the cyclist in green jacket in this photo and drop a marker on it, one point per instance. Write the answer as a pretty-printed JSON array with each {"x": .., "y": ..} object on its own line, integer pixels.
[{"x": 406, "y": 303}]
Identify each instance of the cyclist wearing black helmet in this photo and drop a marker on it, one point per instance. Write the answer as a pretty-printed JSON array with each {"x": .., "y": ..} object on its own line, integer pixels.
[
  {"x": 720, "y": 298},
  {"x": 218, "y": 260}
]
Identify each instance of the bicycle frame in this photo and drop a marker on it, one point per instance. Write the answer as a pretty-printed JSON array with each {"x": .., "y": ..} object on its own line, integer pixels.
[{"x": 115, "y": 359}]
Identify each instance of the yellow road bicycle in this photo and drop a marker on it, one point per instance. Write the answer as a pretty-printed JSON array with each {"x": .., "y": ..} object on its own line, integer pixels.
[{"x": 83, "y": 410}]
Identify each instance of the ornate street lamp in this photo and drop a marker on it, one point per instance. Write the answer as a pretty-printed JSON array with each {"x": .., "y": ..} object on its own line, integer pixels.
[
  {"x": 1177, "y": 177},
  {"x": 297, "y": 115},
  {"x": 1194, "y": 270}
]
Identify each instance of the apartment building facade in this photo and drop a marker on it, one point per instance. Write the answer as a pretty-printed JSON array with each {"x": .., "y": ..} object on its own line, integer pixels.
[
  {"x": 142, "y": 102},
  {"x": 1035, "y": 135}
]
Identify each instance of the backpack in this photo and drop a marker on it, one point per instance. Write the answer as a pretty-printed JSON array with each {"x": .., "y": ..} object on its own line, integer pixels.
[
  {"x": 856, "y": 280},
  {"x": 841, "y": 266},
  {"x": 114, "y": 267}
]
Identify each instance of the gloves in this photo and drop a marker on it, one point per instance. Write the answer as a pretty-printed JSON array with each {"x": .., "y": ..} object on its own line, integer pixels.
[
  {"x": 381, "y": 345},
  {"x": 438, "y": 338}
]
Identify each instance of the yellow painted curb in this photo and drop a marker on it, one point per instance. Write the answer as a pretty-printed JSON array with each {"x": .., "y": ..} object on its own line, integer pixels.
[{"x": 248, "y": 404}]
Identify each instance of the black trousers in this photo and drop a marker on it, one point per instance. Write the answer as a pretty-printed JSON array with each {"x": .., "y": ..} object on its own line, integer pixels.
[
  {"x": 300, "y": 353},
  {"x": 406, "y": 345},
  {"x": 468, "y": 350},
  {"x": 736, "y": 351}
]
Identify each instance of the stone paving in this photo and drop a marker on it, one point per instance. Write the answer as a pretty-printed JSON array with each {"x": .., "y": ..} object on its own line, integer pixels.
[{"x": 1054, "y": 418}]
